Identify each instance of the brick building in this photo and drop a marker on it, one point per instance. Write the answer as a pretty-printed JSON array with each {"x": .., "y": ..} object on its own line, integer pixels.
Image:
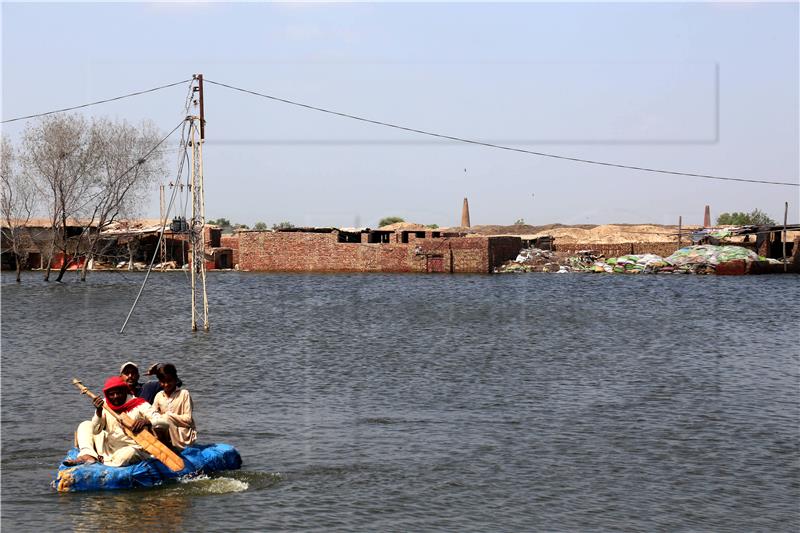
[{"x": 337, "y": 250}]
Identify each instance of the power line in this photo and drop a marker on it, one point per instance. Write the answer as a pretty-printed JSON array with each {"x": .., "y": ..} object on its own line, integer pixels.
[
  {"x": 501, "y": 147},
  {"x": 95, "y": 103},
  {"x": 163, "y": 222}
]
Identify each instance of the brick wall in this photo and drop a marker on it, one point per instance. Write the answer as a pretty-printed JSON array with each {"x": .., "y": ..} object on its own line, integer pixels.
[
  {"x": 232, "y": 242},
  {"x": 615, "y": 250},
  {"x": 321, "y": 252},
  {"x": 502, "y": 249}
]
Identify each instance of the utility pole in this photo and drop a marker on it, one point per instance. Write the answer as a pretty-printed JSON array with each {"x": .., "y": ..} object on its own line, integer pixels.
[
  {"x": 198, "y": 222},
  {"x": 163, "y": 226}
]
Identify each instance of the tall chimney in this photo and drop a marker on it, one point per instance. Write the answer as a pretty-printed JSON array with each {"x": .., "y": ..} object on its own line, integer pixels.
[
  {"x": 465, "y": 214},
  {"x": 707, "y": 218}
]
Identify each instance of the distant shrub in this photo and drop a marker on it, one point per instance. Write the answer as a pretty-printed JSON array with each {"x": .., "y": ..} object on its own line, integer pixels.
[
  {"x": 754, "y": 218},
  {"x": 389, "y": 220}
]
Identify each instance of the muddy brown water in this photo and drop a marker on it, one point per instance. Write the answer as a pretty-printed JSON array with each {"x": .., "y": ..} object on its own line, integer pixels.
[{"x": 425, "y": 403}]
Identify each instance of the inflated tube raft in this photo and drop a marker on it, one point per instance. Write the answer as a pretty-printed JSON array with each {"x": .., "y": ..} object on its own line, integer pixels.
[{"x": 198, "y": 459}]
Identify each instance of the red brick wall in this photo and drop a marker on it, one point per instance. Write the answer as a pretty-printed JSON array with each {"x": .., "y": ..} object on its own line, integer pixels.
[
  {"x": 321, "y": 252},
  {"x": 663, "y": 249},
  {"x": 232, "y": 242}
]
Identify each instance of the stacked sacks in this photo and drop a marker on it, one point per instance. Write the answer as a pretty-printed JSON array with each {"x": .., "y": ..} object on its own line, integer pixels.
[
  {"x": 636, "y": 264},
  {"x": 705, "y": 258}
]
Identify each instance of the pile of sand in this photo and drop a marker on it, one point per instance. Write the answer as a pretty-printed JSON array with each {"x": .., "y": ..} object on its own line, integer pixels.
[
  {"x": 587, "y": 233},
  {"x": 399, "y": 226},
  {"x": 580, "y": 233},
  {"x": 614, "y": 234}
]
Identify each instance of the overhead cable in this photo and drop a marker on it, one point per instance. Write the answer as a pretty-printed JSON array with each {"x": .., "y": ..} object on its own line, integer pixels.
[
  {"x": 163, "y": 222},
  {"x": 95, "y": 103},
  {"x": 501, "y": 147}
]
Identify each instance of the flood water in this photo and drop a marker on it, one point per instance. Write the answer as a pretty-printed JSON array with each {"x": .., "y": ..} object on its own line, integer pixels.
[{"x": 425, "y": 402}]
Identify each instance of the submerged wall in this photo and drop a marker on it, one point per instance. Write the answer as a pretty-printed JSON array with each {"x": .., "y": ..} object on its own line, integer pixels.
[{"x": 300, "y": 251}]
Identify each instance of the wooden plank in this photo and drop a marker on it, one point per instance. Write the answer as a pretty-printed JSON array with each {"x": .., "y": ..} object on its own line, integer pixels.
[{"x": 144, "y": 438}]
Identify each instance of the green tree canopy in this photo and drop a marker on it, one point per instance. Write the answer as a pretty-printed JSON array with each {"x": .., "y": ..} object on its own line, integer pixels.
[
  {"x": 385, "y": 221},
  {"x": 260, "y": 226},
  {"x": 222, "y": 222},
  {"x": 519, "y": 222},
  {"x": 283, "y": 225},
  {"x": 432, "y": 226},
  {"x": 755, "y": 218}
]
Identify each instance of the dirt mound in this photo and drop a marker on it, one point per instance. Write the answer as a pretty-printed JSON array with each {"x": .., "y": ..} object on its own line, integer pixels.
[
  {"x": 401, "y": 226},
  {"x": 586, "y": 233}
]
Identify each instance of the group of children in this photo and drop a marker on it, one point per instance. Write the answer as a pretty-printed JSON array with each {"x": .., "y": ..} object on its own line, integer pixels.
[{"x": 163, "y": 406}]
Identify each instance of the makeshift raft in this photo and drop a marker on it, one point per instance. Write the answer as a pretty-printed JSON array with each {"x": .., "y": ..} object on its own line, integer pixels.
[{"x": 198, "y": 459}]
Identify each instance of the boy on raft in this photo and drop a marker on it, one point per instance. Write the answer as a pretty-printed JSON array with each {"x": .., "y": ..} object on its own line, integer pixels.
[{"x": 174, "y": 404}]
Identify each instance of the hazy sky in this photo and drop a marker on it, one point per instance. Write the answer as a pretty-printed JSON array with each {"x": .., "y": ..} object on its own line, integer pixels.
[{"x": 704, "y": 88}]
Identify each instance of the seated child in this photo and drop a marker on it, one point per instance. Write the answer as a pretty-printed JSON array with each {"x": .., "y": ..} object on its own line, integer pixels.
[{"x": 174, "y": 404}]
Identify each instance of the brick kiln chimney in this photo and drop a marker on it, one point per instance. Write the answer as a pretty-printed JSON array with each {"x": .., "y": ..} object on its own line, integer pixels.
[
  {"x": 707, "y": 218},
  {"x": 465, "y": 214}
]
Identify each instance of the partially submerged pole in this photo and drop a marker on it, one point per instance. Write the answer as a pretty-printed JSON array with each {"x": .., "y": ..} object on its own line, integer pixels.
[
  {"x": 783, "y": 238},
  {"x": 197, "y": 228}
]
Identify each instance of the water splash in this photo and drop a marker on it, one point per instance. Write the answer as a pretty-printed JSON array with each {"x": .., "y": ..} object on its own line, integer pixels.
[{"x": 215, "y": 485}]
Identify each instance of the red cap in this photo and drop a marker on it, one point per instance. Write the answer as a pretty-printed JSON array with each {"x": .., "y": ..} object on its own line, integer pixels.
[{"x": 114, "y": 382}]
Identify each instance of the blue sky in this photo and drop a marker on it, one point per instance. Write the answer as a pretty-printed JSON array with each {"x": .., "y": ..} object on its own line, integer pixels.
[{"x": 705, "y": 88}]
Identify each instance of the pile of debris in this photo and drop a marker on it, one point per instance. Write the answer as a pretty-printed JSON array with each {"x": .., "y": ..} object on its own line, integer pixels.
[
  {"x": 702, "y": 259},
  {"x": 539, "y": 260},
  {"x": 707, "y": 258}
]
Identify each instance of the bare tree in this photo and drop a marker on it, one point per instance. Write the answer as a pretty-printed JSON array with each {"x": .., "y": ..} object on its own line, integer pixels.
[
  {"x": 60, "y": 154},
  {"x": 128, "y": 164},
  {"x": 17, "y": 203}
]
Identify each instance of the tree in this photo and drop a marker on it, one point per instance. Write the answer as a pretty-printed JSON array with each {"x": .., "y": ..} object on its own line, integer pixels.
[
  {"x": 261, "y": 226},
  {"x": 755, "y": 218},
  {"x": 283, "y": 225},
  {"x": 519, "y": 222},
  {"x": 222, "y": 222},
  {"x": 60, "y": 154},
  {"x": 432, "y": 226},
  {"x": 389, "y": 220},
  {"x": 17, "y": 204},
  {"x": 126, "y": 168}
]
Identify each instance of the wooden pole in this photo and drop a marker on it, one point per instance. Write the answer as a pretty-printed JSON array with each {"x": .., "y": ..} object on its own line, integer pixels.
[
  {"x": 193, "y": 228},
  {"x": 163, "y": 224},
  {"x": 202, "y": 193},
  {"x": 680, "y": 226},
  {"x": 785, "y": 216}
]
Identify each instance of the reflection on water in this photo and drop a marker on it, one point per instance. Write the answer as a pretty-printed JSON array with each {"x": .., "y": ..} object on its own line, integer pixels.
[
  {"x": 416, "y": 403},
  {"x": 128, "y": 511}
]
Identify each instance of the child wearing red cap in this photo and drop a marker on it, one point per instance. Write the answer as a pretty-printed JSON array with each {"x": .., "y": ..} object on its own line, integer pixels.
[{"x": 103, "y": 439}]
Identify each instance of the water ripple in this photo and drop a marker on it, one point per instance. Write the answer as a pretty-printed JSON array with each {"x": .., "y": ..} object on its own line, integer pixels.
[{"x": 386, "y": 402}]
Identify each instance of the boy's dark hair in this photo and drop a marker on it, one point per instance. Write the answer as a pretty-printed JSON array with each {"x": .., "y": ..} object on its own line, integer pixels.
[{"x": 168, "y": 369}]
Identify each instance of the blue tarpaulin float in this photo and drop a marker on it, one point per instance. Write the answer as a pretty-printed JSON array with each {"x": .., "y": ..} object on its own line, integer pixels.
[{"x": 199, "y": 459}]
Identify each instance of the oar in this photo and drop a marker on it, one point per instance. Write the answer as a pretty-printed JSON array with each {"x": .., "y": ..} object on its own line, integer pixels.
[{"x": 144, "y": 438}]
